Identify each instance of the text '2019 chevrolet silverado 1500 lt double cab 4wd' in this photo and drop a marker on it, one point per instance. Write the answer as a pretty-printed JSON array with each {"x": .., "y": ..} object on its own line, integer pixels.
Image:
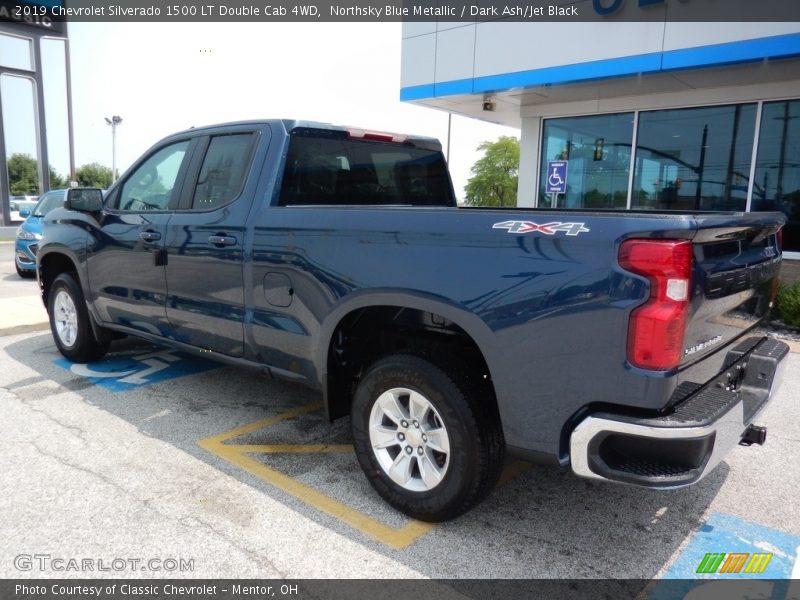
[{"x": 618, "y": 344}]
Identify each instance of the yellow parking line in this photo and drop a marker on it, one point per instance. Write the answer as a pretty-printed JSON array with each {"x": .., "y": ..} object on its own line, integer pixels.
[
  {"x": 239, "y": 455},
  {"x": 396, "y": 538},
  {"x": 512, "y": 470},
  {"x": 294, "y": 448},
  {"x": 255, "y": 426}
]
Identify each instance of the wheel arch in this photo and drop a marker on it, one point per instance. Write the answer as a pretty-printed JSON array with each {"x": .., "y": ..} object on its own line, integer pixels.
[
  {"x": 462, "y": 326},
  {"x": 52, "y": 264}
]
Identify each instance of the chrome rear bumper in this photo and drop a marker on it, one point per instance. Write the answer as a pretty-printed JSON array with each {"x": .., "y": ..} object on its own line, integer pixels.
[{"x": 679, "y": 448}]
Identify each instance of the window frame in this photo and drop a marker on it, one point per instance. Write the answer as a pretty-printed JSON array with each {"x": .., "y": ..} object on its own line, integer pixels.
[
  {"x": 539, "y": 197},
  {"x": 753, "y": 141}
]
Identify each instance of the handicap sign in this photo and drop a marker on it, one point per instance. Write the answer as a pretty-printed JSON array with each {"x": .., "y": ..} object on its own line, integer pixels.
[
  {"x": 122, "y": 372},
  {"x": 556, "y": 177}
]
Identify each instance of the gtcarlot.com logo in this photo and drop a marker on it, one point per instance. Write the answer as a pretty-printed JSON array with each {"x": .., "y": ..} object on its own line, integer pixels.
[
  {"x": 47, "y": 562},
  {"x": 734, "y": 562}
]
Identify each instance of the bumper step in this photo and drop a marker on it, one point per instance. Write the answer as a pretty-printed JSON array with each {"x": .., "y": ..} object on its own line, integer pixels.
[{"x": 679, "y": 448}]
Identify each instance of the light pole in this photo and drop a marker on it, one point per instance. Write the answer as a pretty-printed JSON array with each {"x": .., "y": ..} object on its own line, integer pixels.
[{"x": 114, "y": 121}]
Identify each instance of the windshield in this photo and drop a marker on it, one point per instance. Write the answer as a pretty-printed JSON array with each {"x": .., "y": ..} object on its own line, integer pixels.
[{"x": 48, "y": 202}]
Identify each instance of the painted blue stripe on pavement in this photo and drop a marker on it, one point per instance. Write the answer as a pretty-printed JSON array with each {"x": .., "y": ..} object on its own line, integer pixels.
[
  {"x": 126, "y": 372},
  {"x": 723, "y": 533}
]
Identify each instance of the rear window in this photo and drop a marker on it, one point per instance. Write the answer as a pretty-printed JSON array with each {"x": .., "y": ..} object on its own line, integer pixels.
[{"x": 326, "y": 167}]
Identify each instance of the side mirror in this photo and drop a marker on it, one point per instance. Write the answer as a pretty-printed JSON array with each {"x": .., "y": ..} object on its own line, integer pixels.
[
  {"x": 24, "y": 213},
  {"x": 87, "y": 200}
]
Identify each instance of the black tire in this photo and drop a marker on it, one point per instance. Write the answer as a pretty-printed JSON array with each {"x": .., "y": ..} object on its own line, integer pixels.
[
  {"x": 23, "y": 273},
  {"x": 476, "y": 446},
  {"x": 79, "y": 344}
]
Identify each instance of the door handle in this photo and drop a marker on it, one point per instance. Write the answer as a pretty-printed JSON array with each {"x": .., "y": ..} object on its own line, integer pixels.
[
  {"x": 149, "y": 236},
  {"x": 221, "y": 240}
]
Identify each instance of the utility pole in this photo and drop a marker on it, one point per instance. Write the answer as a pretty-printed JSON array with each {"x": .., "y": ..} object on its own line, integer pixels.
[{"x": 113, "y": 121}]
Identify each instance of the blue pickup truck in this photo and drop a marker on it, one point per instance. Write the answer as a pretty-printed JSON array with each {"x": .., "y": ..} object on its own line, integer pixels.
[{"x": 620, "y": 345}]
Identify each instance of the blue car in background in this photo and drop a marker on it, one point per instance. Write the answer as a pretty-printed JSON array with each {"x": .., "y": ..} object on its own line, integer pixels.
[{"x": 30, "y": 232}]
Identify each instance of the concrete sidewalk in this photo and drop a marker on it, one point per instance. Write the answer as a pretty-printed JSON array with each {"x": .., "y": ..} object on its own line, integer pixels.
[
  {"x": 21, "y": 307},
  {"x": 8, "y": 233}
]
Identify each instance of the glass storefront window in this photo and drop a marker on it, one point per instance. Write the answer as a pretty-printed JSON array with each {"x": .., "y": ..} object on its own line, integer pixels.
[
  {"x": 777, "y": 175},
  {"x": 16, "y": 52},
  {"x": 694, "y": 158},
  {"x": 597, "y": 149}
]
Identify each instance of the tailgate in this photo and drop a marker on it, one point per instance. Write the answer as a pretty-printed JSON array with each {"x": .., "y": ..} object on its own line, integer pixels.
[{"x": 736, "y": 263}]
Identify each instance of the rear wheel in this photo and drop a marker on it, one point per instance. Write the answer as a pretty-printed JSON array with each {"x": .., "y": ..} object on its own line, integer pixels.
[
  {"x": 428, "y": 445},
  {"x": 69, "y": 322}
]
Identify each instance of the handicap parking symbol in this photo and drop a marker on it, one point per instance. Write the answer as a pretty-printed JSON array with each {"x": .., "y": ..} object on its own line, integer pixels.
[
  {"x": 556, "y": 177},
  {"x": 125, "y": 372}
]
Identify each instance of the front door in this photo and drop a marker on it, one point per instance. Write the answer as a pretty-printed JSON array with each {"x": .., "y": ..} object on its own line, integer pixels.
[{"x": 126, "y": 256}]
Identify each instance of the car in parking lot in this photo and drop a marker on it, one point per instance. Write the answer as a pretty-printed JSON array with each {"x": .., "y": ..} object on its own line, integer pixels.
[
  {"x": 30, "y": 232},
  {"x": 21, "y": 207}
]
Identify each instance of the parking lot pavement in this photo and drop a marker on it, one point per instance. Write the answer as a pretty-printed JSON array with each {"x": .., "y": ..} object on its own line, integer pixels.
[{"x": 152, "y": 454}]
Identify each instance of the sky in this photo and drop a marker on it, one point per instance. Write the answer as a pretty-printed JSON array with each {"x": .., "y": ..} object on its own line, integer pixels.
[{"x": 165, "y": 77}]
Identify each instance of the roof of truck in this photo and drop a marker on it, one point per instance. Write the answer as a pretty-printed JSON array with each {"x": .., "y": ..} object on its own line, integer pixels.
[{"x": 292, "y": 124}]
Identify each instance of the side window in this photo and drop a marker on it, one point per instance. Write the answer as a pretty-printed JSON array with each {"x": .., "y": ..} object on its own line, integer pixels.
[
  {"x": 150, "y": 186},
  {"x": 223, "y": 171}
]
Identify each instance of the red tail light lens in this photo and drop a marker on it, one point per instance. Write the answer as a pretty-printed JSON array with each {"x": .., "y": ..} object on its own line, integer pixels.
[{"x": 656, "y": 329}]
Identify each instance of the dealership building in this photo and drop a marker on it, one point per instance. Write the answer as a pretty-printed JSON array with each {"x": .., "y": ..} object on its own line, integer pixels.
[{"x": 647, "y": 115}]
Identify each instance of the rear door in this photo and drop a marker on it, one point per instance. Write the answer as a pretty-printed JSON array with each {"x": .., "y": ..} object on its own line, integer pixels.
[
  {"x": 205, "y": 241},
  {"x": 736, "y": 265}
]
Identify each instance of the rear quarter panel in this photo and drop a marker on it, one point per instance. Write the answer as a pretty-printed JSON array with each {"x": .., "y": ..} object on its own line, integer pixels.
[{"x": 549, "y": 312}]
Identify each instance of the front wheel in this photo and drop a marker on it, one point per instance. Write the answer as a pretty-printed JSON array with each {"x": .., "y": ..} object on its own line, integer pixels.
[
  {"x": 427, "y": 443},
  {"x": 69, "y": 322}
]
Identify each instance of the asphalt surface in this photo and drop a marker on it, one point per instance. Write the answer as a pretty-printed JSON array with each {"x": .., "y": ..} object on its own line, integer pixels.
[{"x": 152, "y": 459}]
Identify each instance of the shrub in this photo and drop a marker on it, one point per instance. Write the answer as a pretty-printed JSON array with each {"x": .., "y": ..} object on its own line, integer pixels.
[{"x": 787, "y": 305}]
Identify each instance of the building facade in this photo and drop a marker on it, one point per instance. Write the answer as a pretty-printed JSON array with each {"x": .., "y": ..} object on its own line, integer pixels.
[{"x": 649, "y": 115}]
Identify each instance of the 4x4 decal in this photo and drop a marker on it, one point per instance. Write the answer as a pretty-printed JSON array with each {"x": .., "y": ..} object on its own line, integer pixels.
[{"x": 546, "y": 228}]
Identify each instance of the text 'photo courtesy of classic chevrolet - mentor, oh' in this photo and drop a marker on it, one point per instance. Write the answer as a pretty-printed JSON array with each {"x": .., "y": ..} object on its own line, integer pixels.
[{"x": 619, "y": 344}]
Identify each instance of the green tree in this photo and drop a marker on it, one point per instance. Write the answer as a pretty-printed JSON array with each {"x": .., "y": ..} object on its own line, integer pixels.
[
  {"x": 94, "y": 175},
  {"x": 56, "y": 180},
  {"x": 23, "y": 175},
  {"x": 495, "y": 175}
]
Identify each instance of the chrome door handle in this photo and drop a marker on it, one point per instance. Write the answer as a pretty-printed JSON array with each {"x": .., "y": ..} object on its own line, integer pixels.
[
  {"x": 221, "y": 240},
  {"x": 150, "y": 236}
]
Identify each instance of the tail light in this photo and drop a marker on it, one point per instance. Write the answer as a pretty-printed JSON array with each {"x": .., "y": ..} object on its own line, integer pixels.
[{"x": 656, "y": 329}]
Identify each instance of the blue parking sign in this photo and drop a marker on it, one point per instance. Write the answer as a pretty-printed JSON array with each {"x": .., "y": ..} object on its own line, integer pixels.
[{"x": 556, "y": 177}]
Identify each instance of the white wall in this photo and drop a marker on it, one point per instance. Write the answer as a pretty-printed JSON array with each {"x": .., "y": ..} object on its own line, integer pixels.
[{"x": 443, "y": 53}]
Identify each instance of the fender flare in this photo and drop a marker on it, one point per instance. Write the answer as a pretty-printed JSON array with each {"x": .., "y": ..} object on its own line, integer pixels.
[{"x": 468, "y": 321}]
